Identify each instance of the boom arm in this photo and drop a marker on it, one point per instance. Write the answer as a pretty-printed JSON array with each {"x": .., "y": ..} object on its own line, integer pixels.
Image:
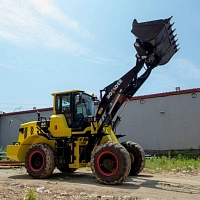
[{"x": 155, "y": 45}]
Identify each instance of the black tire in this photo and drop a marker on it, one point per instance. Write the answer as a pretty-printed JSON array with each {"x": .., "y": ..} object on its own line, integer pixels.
[
  {"x": 110, "y": 163},
  {"x": 137, "y": 155},
  {"x": 40, "y": 161},
  {"x": 66, "y": 169}
]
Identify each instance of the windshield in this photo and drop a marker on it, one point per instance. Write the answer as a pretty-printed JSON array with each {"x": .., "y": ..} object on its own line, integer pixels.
[{"x": 86, "y": 106}]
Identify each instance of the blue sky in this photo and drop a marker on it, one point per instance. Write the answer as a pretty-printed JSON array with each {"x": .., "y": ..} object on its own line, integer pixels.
[{"x": 49, "y": 46}]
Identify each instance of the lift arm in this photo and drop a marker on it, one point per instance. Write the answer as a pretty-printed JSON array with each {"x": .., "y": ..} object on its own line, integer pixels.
[{"x": 155, "y": 45}]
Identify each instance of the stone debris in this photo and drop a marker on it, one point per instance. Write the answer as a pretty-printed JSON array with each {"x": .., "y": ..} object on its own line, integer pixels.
[
  {"x": 17, "y": 185},
  {"x": 21, "y": 191},
  {"x": 40, "y": 189}
]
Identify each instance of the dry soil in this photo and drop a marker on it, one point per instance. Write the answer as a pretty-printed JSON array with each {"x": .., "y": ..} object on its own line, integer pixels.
[{"x": 16, "y": 184}]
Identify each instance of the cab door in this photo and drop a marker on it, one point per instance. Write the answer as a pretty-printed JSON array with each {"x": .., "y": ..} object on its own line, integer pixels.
[{"x": 61, "y": 120}]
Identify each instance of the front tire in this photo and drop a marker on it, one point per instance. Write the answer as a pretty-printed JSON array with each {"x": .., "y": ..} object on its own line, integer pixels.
[
  {"x": 110, "y": 163},
  {"x": 137, "y": 155},
  {"x": 40, "y": 161}
]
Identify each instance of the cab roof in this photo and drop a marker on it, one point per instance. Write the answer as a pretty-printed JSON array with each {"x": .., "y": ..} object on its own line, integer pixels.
[{"x": 68, "y": 91}]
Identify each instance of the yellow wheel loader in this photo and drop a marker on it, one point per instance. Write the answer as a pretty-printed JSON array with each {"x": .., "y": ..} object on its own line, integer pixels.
[{"x": 81, "y": 131}]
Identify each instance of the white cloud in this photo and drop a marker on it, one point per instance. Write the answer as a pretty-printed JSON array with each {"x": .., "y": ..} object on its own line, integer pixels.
[
  {"x": 40, "y": 23},
  {"x": 27, "y": 23},
  {"x": 48, "y": 8},
  {"x": 185, "y": 69},
  {"x": 5, "y": 66},
  {"x": 98, "y": 59}
]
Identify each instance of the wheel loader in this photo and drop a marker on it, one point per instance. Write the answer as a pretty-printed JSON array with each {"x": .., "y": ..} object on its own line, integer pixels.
[{"x": 82, "y": 129}]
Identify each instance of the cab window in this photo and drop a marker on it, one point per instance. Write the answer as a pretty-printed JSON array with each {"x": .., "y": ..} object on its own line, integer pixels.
[{"x": 63, "y": 106}]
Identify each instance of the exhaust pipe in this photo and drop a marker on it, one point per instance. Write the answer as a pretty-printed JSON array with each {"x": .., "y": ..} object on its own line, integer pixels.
[{"x": 155, "y": 41}]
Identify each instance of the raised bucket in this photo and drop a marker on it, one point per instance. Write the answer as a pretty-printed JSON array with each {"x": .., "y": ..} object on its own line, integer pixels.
[{"x": 155, "y": 42}]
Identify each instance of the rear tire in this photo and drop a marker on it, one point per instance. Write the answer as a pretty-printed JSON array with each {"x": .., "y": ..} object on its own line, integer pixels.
[
  {"x": 40, "y": 161},
  {"x": 110, "y": 163},
  {"x": 137, "y": 155}
]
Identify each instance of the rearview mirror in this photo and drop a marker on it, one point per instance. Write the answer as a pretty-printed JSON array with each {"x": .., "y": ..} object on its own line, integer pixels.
[{"x": 78, "y": 99}]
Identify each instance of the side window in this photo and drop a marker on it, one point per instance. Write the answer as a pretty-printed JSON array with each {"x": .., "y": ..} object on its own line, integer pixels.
[
  {"x": 63, "y": 107},
  {"x": 66, "y": 103},
  {"x": 81, "y": 109},
  {"x": 66, "y": 108},
  {"x": 58, "y": 104}
]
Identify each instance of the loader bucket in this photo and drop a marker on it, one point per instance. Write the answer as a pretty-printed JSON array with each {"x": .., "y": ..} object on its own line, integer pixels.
[{"x": 155, "y": 41}]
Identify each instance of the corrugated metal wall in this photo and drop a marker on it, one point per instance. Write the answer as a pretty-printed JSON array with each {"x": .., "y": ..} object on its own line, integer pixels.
[{"x": 163, "y": 123}]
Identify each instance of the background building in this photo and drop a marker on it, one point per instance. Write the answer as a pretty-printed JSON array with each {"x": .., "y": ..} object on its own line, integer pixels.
[
  {"x": 158, "y": 122},
  {"x": 165, "y": 121}
]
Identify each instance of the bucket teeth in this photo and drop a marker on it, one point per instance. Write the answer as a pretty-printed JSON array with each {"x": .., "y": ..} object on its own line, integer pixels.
[
  {"x": 174, "y": 42},
  {"x": 173, "y": 37},
  {"x": 171, "y": 33},
  {"x": 170, "y": 25},
  {"x": 177, "y": 49},
  {"x": 170, "y": 18},
  {"x": 177, "y": 46}
]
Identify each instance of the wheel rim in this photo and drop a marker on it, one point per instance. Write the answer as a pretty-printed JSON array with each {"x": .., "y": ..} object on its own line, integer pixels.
[
  {"x": 36, "y": 161},
  {"x": 107, "y": 163}
]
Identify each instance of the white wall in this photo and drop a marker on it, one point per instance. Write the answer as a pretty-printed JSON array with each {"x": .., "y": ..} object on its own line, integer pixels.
[{"x": 163, "y": 123}]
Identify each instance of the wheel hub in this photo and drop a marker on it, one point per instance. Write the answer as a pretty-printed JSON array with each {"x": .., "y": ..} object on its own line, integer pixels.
[
  {"x": 108, "y": 163},
  {"x": 36, "y": 161}
]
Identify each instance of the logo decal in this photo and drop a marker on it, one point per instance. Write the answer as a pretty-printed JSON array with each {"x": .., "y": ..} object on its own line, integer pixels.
[{"x": 113, "y": 90}]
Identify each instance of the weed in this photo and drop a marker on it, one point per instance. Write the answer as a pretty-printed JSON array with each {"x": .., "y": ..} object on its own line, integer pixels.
[
  {"x": 179, "y": 163},
  {"x": 30, "y": 196},
  {"x": 3, "y": 154}
]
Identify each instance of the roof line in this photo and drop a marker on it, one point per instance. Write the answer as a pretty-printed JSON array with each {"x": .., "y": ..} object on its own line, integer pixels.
[
  {"x": 164, "y": 94},
  {"x": 27, "y": 111}
]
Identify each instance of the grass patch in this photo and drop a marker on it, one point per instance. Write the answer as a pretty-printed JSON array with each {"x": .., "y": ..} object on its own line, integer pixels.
[{"x": 167, "y": 163}]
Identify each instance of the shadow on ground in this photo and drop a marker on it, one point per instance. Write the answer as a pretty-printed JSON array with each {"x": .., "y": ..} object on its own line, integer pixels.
[{"x": 85, "y": 177}]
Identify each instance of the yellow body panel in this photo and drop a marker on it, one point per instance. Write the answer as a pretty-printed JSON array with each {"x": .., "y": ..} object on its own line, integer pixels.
[
  {"x": 59, "y": 127},
  {"x": 30, "y": 129},
  {"x": 18, "y": 152},
  {"x": 76, "y": 163},
  {"x": 26, "y": 139},
  {"x": 110, "y": 137}
]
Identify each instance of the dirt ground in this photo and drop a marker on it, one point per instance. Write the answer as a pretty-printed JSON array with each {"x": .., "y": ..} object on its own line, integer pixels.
[{"x": 16, "y": 184}]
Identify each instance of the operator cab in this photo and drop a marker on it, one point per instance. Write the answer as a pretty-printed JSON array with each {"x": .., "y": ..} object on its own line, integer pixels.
[{"x": 76, "y": 106}]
